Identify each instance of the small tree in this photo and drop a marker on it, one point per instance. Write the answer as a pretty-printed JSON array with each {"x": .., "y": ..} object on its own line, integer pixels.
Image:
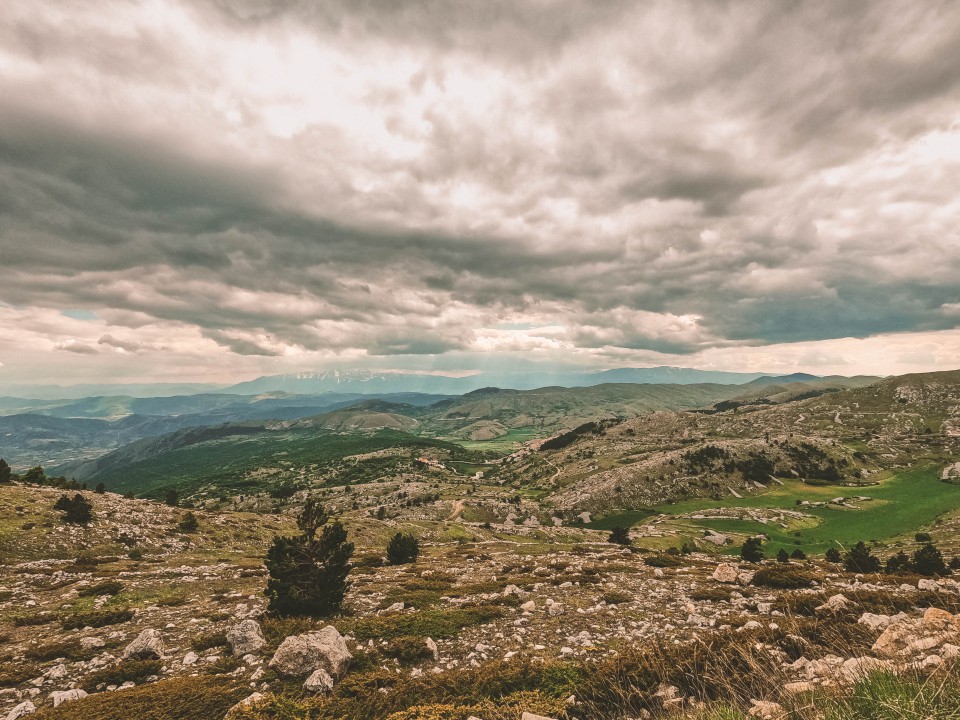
[
  {"x": 402, "y": 549},
  {"x": 782, "y": 556},
  {"x": 860, "y": 560},
  {"x": 76, "y": 510},
  {"x": 898, "y": 563},
  {"x": 752, "y": 550},
  {"x": 188, "y": 523},
  {"x": 798, "y": 554},
  {"x": 172, "y": 497},
  {"x": 308, "y": 573},
  {"x": 928, "y": 560},
  {"x": 832, "y": 555},
  {"x": 100, "y": 489},
  {"x": 381, "y": 512},
  {"x": 620, "y": 535},
  {"x": 6, "y": 474}
]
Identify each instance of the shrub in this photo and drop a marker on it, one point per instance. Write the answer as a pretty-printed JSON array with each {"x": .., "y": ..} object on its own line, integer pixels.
[
  {"x": 922, "y": 537},
  {"x": 408, "y": 649},
  {"x": 928, "y": 560},
  {"x": 208, "y": 640},
  {"x": 107, "y": 587},
  {"x": 97, "y": 618},
  {"x": 126, "y": 670},
  {"x": 620, "y": 535},
  {"x": 832, "y": 555},
  {"x": 135, "y": 554},
  {"x": 100, "y": 489},
  {"x": 172, "y": 497},
  {"x": 67, "y": 649},
  {"x": 798, "y": 554},
  {"x": 859, "y": 559},
  {"x": 76, "y": 510},
  {"x": 899, "y": 563},
  {"x": 402, "y": 549},
  {"x": 308, "y": 573},
  {"x": 780, "y": 576},
  {"x": 615, "y": 597},
  {"x": 188, "y": 523},
  {"x": 662, "y": 561},
  {"x": 751, "y": 550},
  {"x": 782, "y": 556},
  {"x": 6, "y": 474}
]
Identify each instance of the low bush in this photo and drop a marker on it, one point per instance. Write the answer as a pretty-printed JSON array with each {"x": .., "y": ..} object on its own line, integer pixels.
[
  {"x": 97, "y": 618},
  {"x": 126, "y": 670},
  {"x": 107, "y": 587},
  {"x": 408, "y": 649},
  {"x": 185, "y": 698},
  {"x": 783, "y": 576}
]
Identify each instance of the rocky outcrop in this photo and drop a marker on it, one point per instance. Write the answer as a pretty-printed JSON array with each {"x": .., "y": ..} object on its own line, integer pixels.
[
  {"x": 301, "y": 655},
  {"x": 63, "y": 696},
  {"x": 24, "y": 708}
]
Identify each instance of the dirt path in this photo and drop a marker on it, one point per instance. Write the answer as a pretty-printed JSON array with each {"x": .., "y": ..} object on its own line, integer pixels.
[{"x": 457, "y": 509}]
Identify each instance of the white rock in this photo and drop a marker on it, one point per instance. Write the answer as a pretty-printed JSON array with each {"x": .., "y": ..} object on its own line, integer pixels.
[
  {"x": 245, "y": 703},
  {"x": 432, "y": 647},
  {"x": 24, "y": 708},
  {"x": 67, "y": 696},
  {"x": 319, "y": 681},
  {"x": 300, "y": 655},
  {"x": 725, "y": 573},
  {"x": 245, "y": 637},
  {"x": 529, "y": 606},
  {"x": 149, "y": 644},
  {"x": 190, "y": 659}
]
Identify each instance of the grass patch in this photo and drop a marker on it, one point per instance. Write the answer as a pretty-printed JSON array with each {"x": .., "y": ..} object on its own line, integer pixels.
[
  {"x": 445, "y": 623},
  {"x": 186, "y": 698},
  {"x": 97, "y": 618},
  {"x": 133, "y": 670},
  {"x": 107, "y": 587}
]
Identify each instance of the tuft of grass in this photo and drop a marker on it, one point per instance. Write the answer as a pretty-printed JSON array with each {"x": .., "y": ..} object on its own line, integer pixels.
[
  {"x": 886, "y": 696},
  {"x": 107, "y": 587},
  {"x": 133, "y": 670},
  {"x": 203, "y": 697},
  {"x": 208, "y": 640},
  {"x": 784, "y": 577},
  {"x": 67, "y": 649},
  {"x": 439, "y": 623},
  {"x": 408, "y": 649},
  {"x": 96, "y": 618}
]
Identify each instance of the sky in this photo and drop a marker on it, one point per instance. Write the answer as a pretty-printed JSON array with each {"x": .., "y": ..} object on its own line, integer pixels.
[{"x": 214, "y": 190}]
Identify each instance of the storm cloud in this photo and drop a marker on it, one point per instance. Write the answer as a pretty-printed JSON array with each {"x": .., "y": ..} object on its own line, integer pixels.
[{"x": 598, "y": 182}]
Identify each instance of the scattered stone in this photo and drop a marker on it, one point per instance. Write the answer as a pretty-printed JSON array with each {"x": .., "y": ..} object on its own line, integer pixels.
[
  {"x": 245, "y": 638},
  {"x": 148, "y": 645},
  {"x": 318, "y": 682},
  {"x": 726, "y": 573},
  {"x": 24, "y": 708},
  {"x": 300, "y": 655}
]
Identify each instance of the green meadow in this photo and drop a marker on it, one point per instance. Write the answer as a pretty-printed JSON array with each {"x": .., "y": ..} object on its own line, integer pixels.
[{"x": 900, "y": 505}]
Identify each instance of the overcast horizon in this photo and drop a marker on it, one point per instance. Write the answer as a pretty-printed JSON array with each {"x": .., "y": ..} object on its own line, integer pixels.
[{"x": 210, "y": 191}]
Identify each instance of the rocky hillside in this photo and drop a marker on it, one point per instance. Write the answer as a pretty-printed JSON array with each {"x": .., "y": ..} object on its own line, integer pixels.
[{"x": 134, "y": 616}]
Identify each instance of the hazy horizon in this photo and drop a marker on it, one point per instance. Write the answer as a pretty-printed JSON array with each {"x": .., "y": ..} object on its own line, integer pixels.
[{"x": 203, "y": 191}]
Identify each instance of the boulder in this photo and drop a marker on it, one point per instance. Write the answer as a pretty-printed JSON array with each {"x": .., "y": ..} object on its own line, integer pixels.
[
  {"x": 766, "y": 710},
  {"x": 148, "y": 645},
  {"x": 300, "y": 655},
  {"x": 245, "y": 638},
  {"x": 24, "y": 708},
  {"x": 251, "y": 699},
  {"x": 318, "y": 682},
  {"x": 67, "y": 696},
  {"x": 555, "y": 609},
  {"x": 834, "y": 604},
  {"x": 432, "y": 647},
  {"x": 726, "y": 573}
]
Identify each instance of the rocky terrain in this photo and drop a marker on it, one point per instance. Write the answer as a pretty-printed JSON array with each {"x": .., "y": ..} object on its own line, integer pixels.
[{"x": 518, "y": 606}]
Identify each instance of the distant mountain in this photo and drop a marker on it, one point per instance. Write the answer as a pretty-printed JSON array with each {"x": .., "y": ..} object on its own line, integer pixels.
[
  {"x": 142, "y": 390},
  {"x": 365, "y": 381}
]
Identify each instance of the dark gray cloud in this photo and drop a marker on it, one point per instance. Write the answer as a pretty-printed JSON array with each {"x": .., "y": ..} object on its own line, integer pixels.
[{"x": 413, "y": 178}]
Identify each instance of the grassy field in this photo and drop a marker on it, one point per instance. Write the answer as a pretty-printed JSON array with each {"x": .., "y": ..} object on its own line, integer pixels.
[
  {"x": 899, "y": 505},
  {"x": 504, "y": 444}
]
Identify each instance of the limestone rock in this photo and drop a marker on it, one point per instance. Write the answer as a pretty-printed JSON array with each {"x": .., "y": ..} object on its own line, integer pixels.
[
  {"x": 245, "y": 638},
  {"x": 251, "y": 699},
  {"x": 148, "y": 645},
  {"x": 318, "y": 682},
  {"x": 24, "y": 708},
  {"x": 67, "y": 696},
  {"x": 834, "y": 604},
  {"x": 300, "y": 655},
  {"x": 766, "y": 710},
  {"x": 726, "y": 573}
]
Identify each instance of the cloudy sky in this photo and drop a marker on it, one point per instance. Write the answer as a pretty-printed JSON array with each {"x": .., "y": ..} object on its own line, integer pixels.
[{"x": 217, "y": 189}]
